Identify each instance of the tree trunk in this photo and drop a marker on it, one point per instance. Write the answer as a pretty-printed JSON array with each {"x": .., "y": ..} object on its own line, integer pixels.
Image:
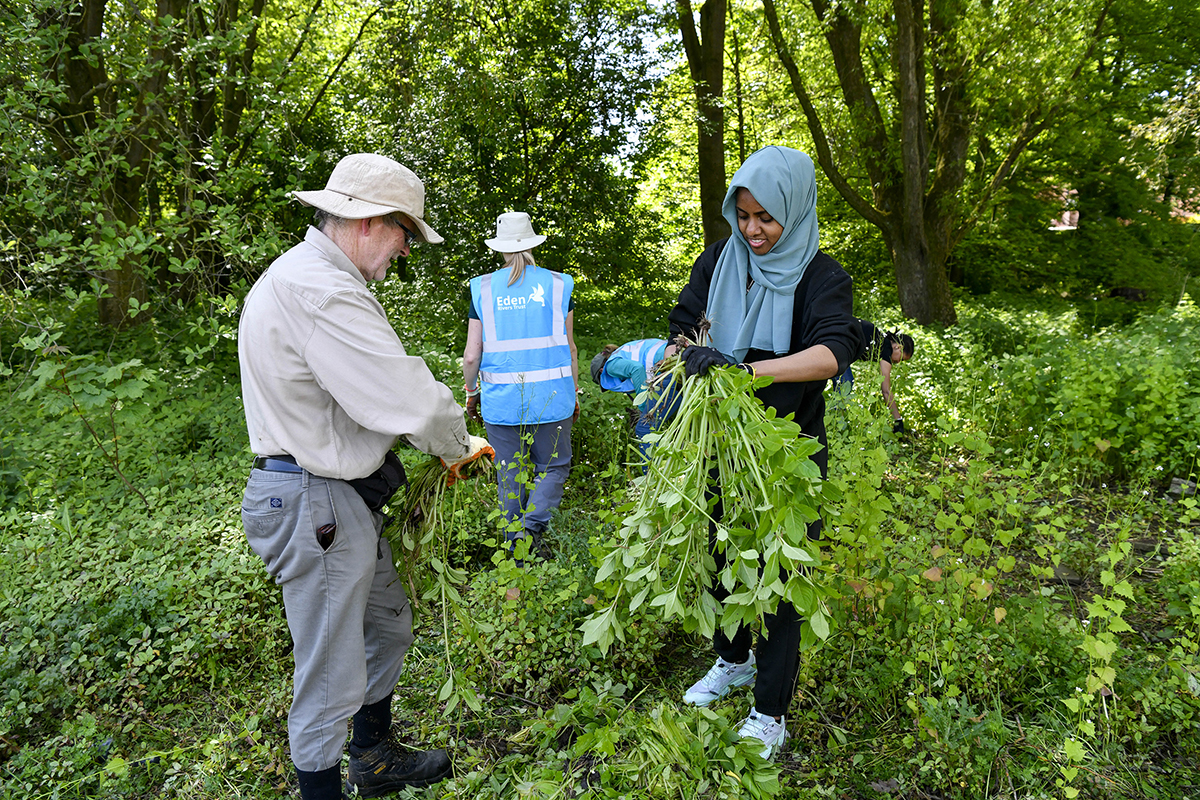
[
  {"x": 912, "y": 164},
  {"x": 125, "y": 281},
  {"x": 93, "y": 116},
  {"x": 706, "y": 63},
  {"x": 922, "y": 284},
  {"x": 737, "y": 88}
]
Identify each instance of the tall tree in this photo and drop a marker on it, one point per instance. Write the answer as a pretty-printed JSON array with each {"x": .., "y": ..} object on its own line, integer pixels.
[
  {"x": 97, "y": 93},
  {"x": 145, "y": 146},
  {"x": 123, "y": 110},
  {"x": 705, "y": 52},
  {"x": 940, "y": 101}
]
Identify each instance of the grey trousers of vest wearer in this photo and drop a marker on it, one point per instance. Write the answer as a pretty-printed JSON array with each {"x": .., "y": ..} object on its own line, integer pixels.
[
  {"x": 347, "y": 612},
  {"x": 544, "y": 453}
]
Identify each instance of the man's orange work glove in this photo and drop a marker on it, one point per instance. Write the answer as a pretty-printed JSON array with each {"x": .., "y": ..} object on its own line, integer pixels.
[{"x": 456, "y": 470}]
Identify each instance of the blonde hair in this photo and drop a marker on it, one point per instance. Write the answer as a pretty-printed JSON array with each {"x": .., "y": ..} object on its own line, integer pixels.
[{"x": 516, "y": 263}]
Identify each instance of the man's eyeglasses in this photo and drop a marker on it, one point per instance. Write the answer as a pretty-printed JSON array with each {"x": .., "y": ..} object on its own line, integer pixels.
[{"x": 409, "y": 236}]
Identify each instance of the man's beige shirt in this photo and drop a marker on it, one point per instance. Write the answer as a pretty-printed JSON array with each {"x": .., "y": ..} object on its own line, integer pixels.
[{"x": 326, "y": 379}]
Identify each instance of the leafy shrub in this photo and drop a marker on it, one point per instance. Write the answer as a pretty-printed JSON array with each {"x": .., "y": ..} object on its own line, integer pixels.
[
  {"x": 522, "y": 635},
  {"x": 1118, "y": 404},
  {"x": 612, "y": 749}
]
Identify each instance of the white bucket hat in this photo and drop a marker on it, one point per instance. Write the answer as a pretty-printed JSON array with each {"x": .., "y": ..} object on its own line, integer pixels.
[
  {"x": 514, "y": 233},
  {"x": 366, "y": 185}
]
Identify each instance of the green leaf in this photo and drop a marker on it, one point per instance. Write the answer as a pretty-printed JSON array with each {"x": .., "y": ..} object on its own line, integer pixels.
[
  {"x": 820, "y": 624},
  {"x": 802, "y": 596},
  {"x": 796, "y": 553},
  {"x": 1073, "y": 749}
]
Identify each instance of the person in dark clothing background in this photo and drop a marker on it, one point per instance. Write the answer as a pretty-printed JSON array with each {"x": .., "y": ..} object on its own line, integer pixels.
[
  {"x": 888, "y": 349},
  {"x": 781, "y": 308}
]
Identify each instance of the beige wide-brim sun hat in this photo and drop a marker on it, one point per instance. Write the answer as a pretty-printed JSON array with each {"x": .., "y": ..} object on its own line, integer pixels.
[
  {"x": 366, "y": 185},
  {"x": 514, "y": 233}
]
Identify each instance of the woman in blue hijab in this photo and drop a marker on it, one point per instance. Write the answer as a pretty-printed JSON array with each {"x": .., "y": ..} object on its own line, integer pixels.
[{"x": 781, "y": 308}]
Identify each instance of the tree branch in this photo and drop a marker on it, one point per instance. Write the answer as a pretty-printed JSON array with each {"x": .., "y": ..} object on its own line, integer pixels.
[
  {"x": 820, "y": 140},
  {"x": 844, "y": 38},
  {"x": 287, "y": 68},
  {"x": 337, "y": 68},
  {"x": 1034, "y": 123},
  {"x": 691, "y": 41}
]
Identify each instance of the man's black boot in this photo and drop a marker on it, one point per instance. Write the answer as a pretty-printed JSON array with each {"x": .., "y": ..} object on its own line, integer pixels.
[{"x": 389, "y": 767}]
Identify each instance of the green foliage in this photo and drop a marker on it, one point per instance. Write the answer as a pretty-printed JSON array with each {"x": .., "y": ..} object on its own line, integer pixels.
[
  {"x": 614, "y": 750},
  {"x": 520, "y": 638},
  {"x": 123, "y": 153},
  {"x": 954, "y": 648},
  {"x": 1122, "y": 404},
  {"x": 543, "y": 108},
  {"x": 143, "y": 650}
]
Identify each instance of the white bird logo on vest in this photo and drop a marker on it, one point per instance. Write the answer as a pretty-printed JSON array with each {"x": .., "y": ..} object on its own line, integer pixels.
[{"x": 539, "y": 295}]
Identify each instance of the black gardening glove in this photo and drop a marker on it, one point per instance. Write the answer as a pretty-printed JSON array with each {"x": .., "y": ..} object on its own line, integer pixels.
[
  {"x": 898, "y": 426},
  {"x": 697, "y": 360},
  {"x": 748, "y": 368}
]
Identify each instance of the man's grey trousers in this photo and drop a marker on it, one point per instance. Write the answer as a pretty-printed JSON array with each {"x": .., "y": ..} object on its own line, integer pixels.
[{"x": 347, "y": 612}]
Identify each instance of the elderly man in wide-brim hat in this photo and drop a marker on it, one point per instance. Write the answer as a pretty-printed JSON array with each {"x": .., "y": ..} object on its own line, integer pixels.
[{"x": 328, "y": 389}]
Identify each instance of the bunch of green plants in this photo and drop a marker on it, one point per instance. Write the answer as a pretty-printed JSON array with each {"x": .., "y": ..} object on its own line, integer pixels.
[
  {"x": 423, "y": 546},
  {"x": 610, "y": 747},
  {"x": 722, "y": 447},
  {"x": 440, "y": 522}
]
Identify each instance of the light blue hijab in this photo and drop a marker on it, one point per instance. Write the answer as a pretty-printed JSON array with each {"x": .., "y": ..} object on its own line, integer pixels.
[{"x": 784, "y": 183}]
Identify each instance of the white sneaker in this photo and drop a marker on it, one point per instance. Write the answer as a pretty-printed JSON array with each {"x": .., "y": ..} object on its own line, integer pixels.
[
  {"x": 719, "y": 680},
  {"x": 764, "y": 728}
]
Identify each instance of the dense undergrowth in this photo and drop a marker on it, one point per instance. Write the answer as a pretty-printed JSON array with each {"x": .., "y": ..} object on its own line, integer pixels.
[{"x": 1018, "y": 612}]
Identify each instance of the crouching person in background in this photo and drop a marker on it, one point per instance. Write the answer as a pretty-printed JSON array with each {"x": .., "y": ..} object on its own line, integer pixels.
[
  {"x": 627, "y": 369},
  {"x": 887, "y": 349}
]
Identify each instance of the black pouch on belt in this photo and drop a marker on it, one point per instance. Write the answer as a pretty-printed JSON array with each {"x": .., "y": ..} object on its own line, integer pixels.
[{"x": 378, "y": 487}]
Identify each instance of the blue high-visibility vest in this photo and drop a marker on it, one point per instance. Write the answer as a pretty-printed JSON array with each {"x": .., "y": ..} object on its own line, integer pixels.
[
  {"x": 646, "y": 352},
  {"x": 525, "y": 372}
]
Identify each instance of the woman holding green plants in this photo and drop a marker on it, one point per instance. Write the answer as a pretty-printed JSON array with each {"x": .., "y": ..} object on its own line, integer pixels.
[
  {"x": 521, "y": 375},
  {"x": 778, "y": 307}
]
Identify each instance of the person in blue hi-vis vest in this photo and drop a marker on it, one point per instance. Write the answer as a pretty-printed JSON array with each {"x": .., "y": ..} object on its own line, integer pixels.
[
  {"x": 521, "y": 374},
  {"x": 625, "y": 369}
]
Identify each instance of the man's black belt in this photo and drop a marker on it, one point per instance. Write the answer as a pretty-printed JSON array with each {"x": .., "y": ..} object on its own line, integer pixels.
[
  {"x": 375, "y": 489},
  {"x": 284, "y": 463}
]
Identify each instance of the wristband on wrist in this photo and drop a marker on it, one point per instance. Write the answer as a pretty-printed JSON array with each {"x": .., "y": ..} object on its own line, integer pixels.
[
  {"x": 749, "y": 368},
  {"x": 470, "y": 392}
]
